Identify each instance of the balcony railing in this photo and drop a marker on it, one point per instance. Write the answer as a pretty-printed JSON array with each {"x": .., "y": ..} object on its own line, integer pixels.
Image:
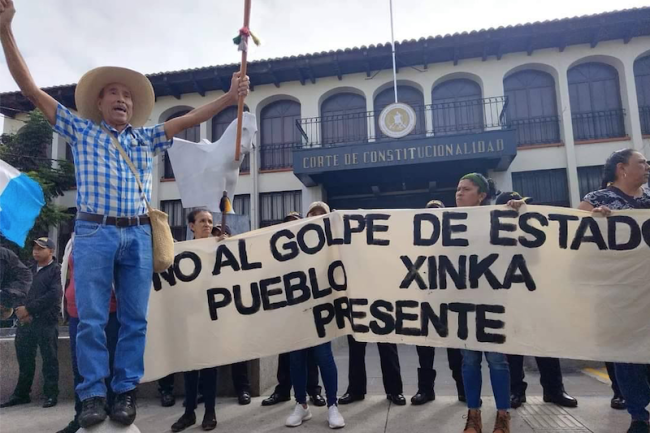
[
  {"x": 277, "y": 156},
  {"x": 644, "y": 113},
  {"x": 452, "y": 118},
  {"x": 537, "y": 130},
  {"x": 598, "y": 125}
]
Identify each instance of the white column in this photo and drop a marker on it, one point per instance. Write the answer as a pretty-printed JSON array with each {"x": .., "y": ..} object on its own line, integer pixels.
[
  {"x": 428, "y": 113},
  {"x": 53, "y": 234},
  {"x": 493, "y": 88},
  {"x": 564, "y": 108},
  {"x": 309, "y": 109},
  {"x": 503, "y": 179},
  {"x": 255, "y": 195},
  {"x": 370, "y": 103},
  {"x": 631, "y": 104},
  {"x": 310, "y": 195},
  {"x": 254, "y": 173},
  {"x": 58, "y": 149},
  {"x": 203, "y": 129}
]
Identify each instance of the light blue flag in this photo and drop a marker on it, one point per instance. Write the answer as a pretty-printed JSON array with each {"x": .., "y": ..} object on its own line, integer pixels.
[{"x": 21, "y": 200}]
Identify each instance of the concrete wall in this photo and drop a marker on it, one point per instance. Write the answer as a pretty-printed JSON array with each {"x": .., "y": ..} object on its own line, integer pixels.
[{"x": 262, "y": 374}]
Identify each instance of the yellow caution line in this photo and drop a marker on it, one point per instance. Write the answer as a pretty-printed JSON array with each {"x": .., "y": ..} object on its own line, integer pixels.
[{"x": 598, "y": 373}]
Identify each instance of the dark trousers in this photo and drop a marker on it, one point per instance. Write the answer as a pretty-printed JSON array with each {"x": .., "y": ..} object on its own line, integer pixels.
[
  {"x": 208, "y": 381},
  {"x": 239, "y": 372},
  {"x": 166, "y": 384},
  {"x": 427, "y": 374},
  {"x": 635, "y": 387},
  {"x": 283, "y": 387},
  {"x": 549, "y": 371},
  {"x": 112, "y": 331},
  {"x": 390, "y": 370},
  {"x": 29, "y": 338},
  {"x": 612, "y": 376}
]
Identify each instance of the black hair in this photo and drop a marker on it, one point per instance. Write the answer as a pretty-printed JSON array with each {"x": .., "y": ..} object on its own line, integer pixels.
[
  {"x": 609, "y": 171},
  {"x": 219, "y": 228},
  {"x": 505, "y": 197},
  {"x": 291, "y": 217},
  {"x": 191, "y": 218}
]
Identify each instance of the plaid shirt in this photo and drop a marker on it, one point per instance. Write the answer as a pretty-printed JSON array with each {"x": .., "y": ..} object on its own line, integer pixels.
[{"x": 105, "y": 183}]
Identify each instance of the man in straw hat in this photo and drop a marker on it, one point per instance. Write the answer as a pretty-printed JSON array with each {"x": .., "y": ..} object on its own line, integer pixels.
[{"x": 112, "y": 230}]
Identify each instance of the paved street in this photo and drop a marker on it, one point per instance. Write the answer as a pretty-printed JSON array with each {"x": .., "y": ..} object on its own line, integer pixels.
[{"x": 376, "y": 414}]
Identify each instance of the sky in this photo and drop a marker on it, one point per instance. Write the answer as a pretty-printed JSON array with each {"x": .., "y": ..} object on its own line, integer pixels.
[{"x": 62, "y": 39}]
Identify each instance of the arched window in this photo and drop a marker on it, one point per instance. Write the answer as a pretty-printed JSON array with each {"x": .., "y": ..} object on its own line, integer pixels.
[
  {"x": 220, "y": 123},
  {"x": 279, "y": 134},
  {"x": 344, "y": 119},
  {"x": 457, "y": 107},
  {"x": 408, "y": 95},
  {"x": 595, "y": 102},
  {"x": 642, "y": 78},
  {"x": 190, "y": 134},
  {"x": 532, "y": 107}
]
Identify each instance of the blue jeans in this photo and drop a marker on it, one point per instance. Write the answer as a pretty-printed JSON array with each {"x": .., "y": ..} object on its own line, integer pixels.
[
  {"x": 325, "y": 360},
  {"x": 473, "y": 380},
  {"x": 633, "y": 382},
  {"x": 112, "y": 330},
  {"x": 105, "y": 255}
]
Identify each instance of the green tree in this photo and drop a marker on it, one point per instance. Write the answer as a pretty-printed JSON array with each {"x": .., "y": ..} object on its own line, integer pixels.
[{"x": 26, "y": 150}]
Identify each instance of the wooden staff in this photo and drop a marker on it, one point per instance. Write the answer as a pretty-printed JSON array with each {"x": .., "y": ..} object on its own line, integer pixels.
[
  {"x": 223, "y": 207},
  {"x": 242, "y": 74}
]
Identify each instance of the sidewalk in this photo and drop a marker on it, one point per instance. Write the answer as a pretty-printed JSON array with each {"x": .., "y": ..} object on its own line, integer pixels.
[{"x": 375, "y": 413}]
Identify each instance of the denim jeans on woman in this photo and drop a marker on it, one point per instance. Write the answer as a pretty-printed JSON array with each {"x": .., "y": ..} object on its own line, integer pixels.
[
  {"x": 635, "y": 387},
  {"x": 325, "y": 360},
  {"x": 105, "y": 255},
  {"x": 499, "y": 376}
]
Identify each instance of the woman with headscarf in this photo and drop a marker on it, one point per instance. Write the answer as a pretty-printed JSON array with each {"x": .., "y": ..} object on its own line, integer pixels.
[{"x": 476, "y": 190}]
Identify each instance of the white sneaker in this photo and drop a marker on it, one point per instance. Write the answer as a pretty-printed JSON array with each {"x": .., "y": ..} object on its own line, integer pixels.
[
  {"x": 334, "y": 417},
  {"x": 298, "y": 415}
]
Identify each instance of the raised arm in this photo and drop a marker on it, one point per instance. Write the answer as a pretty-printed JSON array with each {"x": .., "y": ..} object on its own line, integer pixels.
[
  {"x": 18, "y": 67},
  {"x": 238, "y": 87}
]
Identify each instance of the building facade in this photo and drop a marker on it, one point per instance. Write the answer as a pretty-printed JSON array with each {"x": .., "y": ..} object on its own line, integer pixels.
[{"x": 537, "y": 107}]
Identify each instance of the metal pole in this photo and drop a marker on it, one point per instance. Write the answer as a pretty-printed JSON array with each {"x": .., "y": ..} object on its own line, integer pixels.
[{"x": 392, "y": 41}]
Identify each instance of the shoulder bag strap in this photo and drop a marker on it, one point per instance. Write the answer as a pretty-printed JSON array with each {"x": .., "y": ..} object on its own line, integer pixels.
[{"x": 119, "y": 147}]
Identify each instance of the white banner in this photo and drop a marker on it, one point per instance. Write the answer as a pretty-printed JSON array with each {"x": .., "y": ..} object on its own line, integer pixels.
[{"x": 544, "y": 281}]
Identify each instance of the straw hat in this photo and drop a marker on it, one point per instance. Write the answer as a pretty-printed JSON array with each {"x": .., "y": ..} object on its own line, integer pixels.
[
  {"x": 92, "y": 83},
  {"x": 317, "y": 205}
]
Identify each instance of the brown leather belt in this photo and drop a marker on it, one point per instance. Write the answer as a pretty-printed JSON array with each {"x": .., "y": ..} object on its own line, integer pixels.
[{"x": 113, "y": 221}]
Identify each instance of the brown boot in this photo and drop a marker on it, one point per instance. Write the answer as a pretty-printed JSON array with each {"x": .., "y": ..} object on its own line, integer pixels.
[
  {"x": 474, "y": 423},
  {"x": 502, "y": 424}
]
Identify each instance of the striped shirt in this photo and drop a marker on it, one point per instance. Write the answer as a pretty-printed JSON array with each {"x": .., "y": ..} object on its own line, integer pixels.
[{"x": 105, "y": 183}]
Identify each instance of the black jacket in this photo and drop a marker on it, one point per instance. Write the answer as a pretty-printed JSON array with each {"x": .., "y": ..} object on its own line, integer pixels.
[
  {"x": 15, "y": 279},
  {"x": 44, "y": 298}
]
